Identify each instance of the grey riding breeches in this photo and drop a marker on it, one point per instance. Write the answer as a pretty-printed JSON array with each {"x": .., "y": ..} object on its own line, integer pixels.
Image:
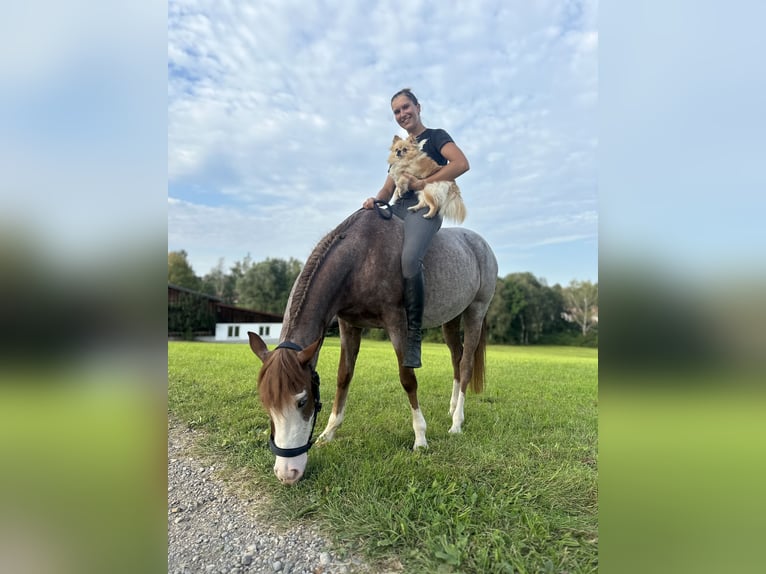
[{"x": 418, "y": 233}]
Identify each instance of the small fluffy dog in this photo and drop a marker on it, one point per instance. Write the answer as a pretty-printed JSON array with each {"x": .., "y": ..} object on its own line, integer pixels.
[{"x": 440, "y": 196}]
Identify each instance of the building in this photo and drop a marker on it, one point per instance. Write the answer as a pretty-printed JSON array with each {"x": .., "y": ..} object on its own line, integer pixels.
[
  {"x": 233, "y": 323},
  {"x": 204, "y": 317}
]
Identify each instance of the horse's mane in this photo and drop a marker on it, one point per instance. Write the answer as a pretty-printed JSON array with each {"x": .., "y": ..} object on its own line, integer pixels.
[{"x": 315, "y": 260}]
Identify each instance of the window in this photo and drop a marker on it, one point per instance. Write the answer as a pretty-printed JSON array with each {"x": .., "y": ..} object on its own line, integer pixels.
[
  {"x": 231, "y": 330},
  {"x": 236, "y": 331}
]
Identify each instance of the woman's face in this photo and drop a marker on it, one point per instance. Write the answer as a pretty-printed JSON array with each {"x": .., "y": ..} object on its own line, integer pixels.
[{"x": 406, "y": 113}]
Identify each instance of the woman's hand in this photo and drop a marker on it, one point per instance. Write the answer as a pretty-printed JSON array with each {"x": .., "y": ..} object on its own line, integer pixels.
[
  {"x": 414, "y": 183},
  {"x": 385, "y": 194}
]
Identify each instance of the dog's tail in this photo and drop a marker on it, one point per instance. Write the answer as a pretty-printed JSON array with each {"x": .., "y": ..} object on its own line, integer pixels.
[{"x": 453, "y": 207}]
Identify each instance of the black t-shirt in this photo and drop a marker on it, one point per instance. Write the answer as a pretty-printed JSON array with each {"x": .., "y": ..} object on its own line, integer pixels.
[{"x": 436, "y": 140}]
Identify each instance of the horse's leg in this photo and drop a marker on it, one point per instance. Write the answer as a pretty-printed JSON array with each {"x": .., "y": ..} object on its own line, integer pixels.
[
  {"x": 472, "y": 323},
  {"x": 350, "y": 339},
  {"x": 451, "y": 332},
  {"x": 410, "y": 384},
  {"x": 407, "y": 378}
]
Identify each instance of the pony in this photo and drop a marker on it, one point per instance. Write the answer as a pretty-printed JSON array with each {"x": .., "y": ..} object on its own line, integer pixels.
[{"x": 354, "y": 274}]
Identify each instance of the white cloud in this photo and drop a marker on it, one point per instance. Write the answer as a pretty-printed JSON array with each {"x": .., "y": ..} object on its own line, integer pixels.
[{"x": 281, "y": 110}]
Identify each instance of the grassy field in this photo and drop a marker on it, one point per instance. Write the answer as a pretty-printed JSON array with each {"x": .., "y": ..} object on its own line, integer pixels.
[{"x": 515, "y": 492}]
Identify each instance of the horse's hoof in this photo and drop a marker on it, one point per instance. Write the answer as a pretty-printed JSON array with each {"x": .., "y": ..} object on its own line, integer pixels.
[
  {"x": 418, "y": 447},
  {"x": 322, "y": 439},
  {"x": 455, "y": 430}
]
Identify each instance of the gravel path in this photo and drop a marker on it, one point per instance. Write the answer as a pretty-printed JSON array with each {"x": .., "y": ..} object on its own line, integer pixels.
[{"x": 214, "y": 526}]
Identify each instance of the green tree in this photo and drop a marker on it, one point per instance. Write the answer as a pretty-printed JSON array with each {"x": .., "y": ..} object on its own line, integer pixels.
[
  {"x": 266, "y": 286},
  {"x": 180, "y": 271},
  {"x": 221, "y": 284},
  {"x": 581, "y": 300},
  {"x": 506, "y": 305},
  {"x": 525, "y": 310},
  {"x": 529, "y": 321},
  {"x": 238, "y": 271},
  {"x": 553, "y": 303}
]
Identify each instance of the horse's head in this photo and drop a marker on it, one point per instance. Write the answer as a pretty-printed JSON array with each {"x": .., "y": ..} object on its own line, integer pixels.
[{"x": 289, "y": 390}]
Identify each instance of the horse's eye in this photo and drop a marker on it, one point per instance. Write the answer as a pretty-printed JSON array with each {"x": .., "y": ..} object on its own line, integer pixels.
[{"x": 302, "y": 402}]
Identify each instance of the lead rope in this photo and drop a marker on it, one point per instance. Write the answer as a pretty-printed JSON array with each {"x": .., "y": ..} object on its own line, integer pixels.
[{"x": 384, "y": 209}]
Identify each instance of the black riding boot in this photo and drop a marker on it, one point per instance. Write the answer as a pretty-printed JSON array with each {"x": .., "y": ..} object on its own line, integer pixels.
[{"x": 414, "y": 295}]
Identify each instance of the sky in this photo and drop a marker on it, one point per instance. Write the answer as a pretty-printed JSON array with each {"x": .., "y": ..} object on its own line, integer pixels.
[{"x": 279, "y": 122}]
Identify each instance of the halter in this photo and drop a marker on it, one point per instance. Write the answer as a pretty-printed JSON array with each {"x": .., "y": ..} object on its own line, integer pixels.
[{"x": 292, "y": 452}]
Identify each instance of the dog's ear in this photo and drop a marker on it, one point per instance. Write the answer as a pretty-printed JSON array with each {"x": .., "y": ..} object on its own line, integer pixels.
[
  {"x": 396, "y": 139},
  {"x": 421, "y": 144}
]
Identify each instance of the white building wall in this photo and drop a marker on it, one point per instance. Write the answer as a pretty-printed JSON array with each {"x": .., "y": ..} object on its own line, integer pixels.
[{"x": 269, "y": 332}]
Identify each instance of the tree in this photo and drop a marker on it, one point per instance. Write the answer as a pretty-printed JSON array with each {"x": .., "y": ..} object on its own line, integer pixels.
[
  {"x": 530, "y": 319},
  {"x": 517, "y": 311},
  {"x": 581, "y": 299},
  {"x": 180, "y": 271},
  {"x": 266, "y": 286},
  {"x": 238, "y": 271},
  {"x": 506, "y": 306},
  {"x": 218, "y": 283},
  {"x": 556, "y": 304},
  {"x": 525, "y": 310}
]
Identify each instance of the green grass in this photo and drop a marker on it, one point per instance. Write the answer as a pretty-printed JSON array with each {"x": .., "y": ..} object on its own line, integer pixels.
[{"x": 515, "y": 492}]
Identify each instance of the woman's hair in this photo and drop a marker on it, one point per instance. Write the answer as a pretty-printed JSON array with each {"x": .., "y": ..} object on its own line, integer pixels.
[{"x": 406, "y": 92}]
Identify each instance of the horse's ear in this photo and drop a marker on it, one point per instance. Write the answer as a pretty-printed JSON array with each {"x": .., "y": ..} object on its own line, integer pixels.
[
  {"x": 308, "y": 353},
  {"x": 258, "y": 346}
]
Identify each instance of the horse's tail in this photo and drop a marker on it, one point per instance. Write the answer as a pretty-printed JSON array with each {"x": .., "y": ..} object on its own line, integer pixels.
[{"x": 479, "y": 356}]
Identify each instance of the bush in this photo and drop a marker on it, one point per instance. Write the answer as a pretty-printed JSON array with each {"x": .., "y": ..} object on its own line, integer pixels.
[{"x": 571, "y": 339}]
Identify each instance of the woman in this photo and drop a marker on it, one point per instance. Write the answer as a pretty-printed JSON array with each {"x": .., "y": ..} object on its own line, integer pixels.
[{"x": 418, "y": 231}]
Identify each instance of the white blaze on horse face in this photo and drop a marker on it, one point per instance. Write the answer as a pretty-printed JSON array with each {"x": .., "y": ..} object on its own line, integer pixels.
[
  {"x": 419, "y": 426},
  {"x": 291, "y": 431}
]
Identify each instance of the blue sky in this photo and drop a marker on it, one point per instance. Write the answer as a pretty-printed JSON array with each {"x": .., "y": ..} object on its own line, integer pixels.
[{"x": 279, "y": 122}]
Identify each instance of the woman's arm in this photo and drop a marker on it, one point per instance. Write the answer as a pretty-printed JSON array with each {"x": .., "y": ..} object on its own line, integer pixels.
[
  {"x": 385, "y": 193},
  {"x": 457, "y": 166}
]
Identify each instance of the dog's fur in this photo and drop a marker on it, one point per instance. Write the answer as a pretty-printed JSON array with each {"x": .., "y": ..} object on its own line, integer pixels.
[{"x": 440, "y": 196}]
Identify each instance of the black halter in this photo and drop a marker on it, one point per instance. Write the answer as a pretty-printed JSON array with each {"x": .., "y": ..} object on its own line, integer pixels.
[{"x": 291, "y": 452}]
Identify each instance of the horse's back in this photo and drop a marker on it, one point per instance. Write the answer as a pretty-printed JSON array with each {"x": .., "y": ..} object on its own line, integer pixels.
[
  {"x": 459, "y": 266},
  {"x": 460, "y": 271}
]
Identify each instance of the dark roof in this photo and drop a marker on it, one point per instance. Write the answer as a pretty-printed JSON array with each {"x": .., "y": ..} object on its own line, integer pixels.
[{"x": 230, "y": 313}]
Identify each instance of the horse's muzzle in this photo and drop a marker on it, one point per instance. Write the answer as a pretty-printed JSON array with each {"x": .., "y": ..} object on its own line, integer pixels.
[{"x": 290, "y": 470}]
